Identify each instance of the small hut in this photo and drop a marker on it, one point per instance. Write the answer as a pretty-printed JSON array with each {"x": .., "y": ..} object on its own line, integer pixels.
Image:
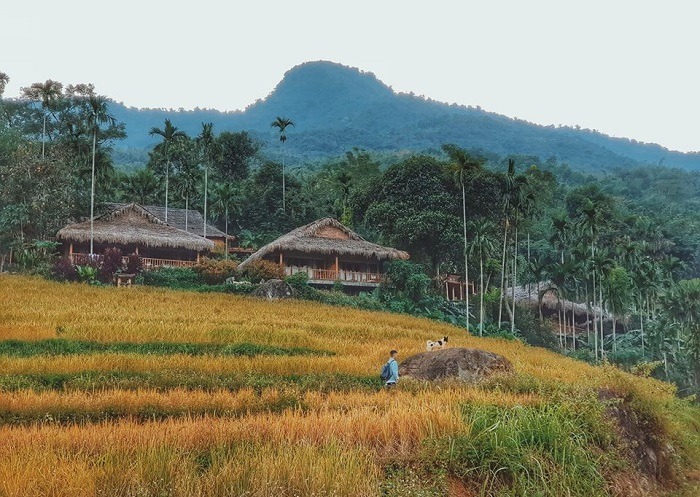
[
  {"x": 133, "y": 229},
  {"x": 329, "y": 252}
]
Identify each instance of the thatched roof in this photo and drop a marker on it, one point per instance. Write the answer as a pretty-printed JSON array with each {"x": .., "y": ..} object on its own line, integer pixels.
[
  {"x": 132, "y": 224},
  {"x": 176, "y": 218},
  {"x": 326, "y": 236},
  {"x": 549, "y": 300}
]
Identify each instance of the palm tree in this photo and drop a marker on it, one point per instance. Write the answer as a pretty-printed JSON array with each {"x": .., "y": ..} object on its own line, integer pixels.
[
  {"x": 482, "y": 242},
  {"x": 47, "y": 93},
  {"x": 205, "y": 142},
  {"x": 223, "y": 196},
  {"x": 170, "y": 135},
  {"x": 682, "y": 306},
  {"x": 281, "y": 123},
  {"x": 618, "y": 294},
  {"x": 141, "y": 185},
  {"x": 98, "y": 115},
  {"x": 4, "y": 80},
  {"x": 537, "y": 270},
  {"x": 462, "y": 165},
  {"x": 506, "y": 197}
]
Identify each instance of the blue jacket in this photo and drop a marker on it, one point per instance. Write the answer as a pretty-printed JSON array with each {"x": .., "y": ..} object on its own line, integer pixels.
[{"x": 394, "y": 368}]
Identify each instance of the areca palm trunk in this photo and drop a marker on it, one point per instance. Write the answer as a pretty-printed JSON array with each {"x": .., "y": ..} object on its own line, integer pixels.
[
  {"x": 167, "y": 173},
  {"x": 481, "y": 296},
  {"x": 515, "y": 279},
  {"x": 92, "y": 193},
  {"x": 466, "y": 257},
  {"x": 43, "y": 137},
  {"x": 226, "y": 229},
  {"x": 602, "y": 312},
  {"x": 503, "y": 274},
  {"x": 284, "y": 189},
  {"x": 206, "y": 179}
]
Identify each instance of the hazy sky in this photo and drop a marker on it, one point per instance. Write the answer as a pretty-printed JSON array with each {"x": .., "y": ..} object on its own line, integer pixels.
[{"x": 626, "y": 68}]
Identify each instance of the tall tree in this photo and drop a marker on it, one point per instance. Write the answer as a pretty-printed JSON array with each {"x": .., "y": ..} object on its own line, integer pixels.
[
  {"x": 48, "y": 93},
  {"x": 222, "y": 199},
  {"x": 99, "y": 115},
  {"x": 483, "y": 243},
  {"x": 170, "y": 134},
  {"x": 462, "y": 165},
  {"x": 4, "y": 80},
  {"x": 281, "y": 123},
  {"x": 205, "y": 144},
  {"x": 682, "y": 306}
]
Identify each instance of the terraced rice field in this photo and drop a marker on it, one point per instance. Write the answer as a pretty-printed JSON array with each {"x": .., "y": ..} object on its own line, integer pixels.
[{"x": 141, "y": 391}]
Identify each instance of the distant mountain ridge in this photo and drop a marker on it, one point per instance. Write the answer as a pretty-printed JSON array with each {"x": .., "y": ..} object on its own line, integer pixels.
[{"x": 336, "y": 108}]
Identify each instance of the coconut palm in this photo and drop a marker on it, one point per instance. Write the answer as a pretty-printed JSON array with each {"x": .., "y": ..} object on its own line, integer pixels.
[
  {"x": 170, "y": 135},
  {"x": 483, "y": 243},
  {"x": 205, "y": 144},
  {"x": 48, "y": 94},
  {"x": 281, "y": 124},
  {"x": 223, "y": 196},
  {"x": 97, "y": 116},
  {"x": 462, "y": 165}
]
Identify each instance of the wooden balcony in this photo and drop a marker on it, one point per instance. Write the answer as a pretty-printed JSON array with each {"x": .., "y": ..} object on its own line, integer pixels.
[
  {"x": 342, "y": 275},
  {"x": 148, "y": 262}
]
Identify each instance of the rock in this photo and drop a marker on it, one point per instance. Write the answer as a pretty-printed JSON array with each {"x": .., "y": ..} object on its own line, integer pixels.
[
  {"x": 273, "y": 290},
  {"x": 470, "y": 365}
]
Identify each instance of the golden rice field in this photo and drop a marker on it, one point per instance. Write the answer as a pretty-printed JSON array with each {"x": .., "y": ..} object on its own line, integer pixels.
[{"x": 177, "y": 424}]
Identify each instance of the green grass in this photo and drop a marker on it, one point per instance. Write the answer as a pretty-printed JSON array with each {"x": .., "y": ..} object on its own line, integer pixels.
[
  {"x": 193, "y": 380},
  {"x": 64, "y": 347},
  {"x": 547, "y": 450}
]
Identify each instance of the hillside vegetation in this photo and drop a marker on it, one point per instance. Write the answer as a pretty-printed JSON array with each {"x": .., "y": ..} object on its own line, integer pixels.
[
  {"x": 107, "y": 391},
  {"x": 336, "y": 108}
]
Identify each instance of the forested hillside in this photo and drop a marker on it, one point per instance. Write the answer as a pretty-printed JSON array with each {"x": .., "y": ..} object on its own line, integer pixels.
[{"x": 336, "y": 108}]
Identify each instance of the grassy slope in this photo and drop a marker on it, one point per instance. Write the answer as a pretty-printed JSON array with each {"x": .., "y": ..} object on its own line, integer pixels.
[{"x": 170, "y": 421}]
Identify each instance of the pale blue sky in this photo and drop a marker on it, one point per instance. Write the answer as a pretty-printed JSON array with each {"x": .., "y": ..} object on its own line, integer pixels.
[{"x": 626, "y": 68}]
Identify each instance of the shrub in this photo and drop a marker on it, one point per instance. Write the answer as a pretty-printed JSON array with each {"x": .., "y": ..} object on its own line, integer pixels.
[
  {"x": 134, "y": 264},
  {"x": 172, "y": 277},
  {"x": 260, "y": 270},
  {"x": 215, "y": 271},
  {"x": 64, "y": 270},
  {"x": 87, "y": 274},
  {"x": 111, "y": 264}
]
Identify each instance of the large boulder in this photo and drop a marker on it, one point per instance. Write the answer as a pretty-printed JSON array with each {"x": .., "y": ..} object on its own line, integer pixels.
[
  {"x": 470, "y": 365},
  {"x": 273, "y": 290}
]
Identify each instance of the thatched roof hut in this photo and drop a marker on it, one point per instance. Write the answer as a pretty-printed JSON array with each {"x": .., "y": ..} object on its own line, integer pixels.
[
  {"x": 179, "y": 218},
  {"x": 326, "y": 236},
  {"x": 131, "y": 224},
  {"x": 529, "y": 296}
]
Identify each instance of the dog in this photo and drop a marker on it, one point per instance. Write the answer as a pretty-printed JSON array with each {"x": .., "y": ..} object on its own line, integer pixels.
[{"x": 439, "y": 344}]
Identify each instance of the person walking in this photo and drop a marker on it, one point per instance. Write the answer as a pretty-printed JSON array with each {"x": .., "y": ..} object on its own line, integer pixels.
[{"x": 390, "y": 371}]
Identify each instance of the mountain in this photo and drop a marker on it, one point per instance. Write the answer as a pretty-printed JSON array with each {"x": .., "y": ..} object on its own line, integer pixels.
[{"x": 336, "y": 108}]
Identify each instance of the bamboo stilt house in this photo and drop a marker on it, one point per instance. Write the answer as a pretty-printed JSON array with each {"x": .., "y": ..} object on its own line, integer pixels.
[
  {"x": 133, "y": 229},
  {"x": 329, "y": 252}
]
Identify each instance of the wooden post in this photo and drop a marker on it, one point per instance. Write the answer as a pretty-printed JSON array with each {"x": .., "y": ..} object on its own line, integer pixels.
[
  {"x": 136, "y": 251},
  {"x": 337, "y": 267},
  {"x": 281, "y": 260},
  {"x": 447, "y": 290},
  {"x": 197, "y": 257},
  {"x": 70, "y": 250},
  {"x": 461, "y": 294}
]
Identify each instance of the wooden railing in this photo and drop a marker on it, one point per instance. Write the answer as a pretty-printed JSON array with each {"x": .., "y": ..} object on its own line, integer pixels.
[
  {"x": 332, "y": 275},
  {"x": 152, "y": 263},
  {"x": 148, "y": 262}
]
